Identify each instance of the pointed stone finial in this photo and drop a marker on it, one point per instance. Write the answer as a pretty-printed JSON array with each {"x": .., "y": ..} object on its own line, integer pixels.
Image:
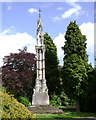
[{"x": 39, "y": 13}]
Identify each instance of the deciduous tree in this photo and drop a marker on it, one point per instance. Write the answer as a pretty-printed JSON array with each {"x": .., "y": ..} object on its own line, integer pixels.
[{"x": 18, "y": 73}]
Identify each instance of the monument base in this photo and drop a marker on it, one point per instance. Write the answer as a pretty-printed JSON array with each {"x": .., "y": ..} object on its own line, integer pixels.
[
  {"x": 40, "y": 98},
  {"x": 45, "y": 109}
]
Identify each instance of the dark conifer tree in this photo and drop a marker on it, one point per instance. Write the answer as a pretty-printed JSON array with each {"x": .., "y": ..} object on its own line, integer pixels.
[
  {"x": 75, "y": 63},
  {"x": 52, "y": 70}
]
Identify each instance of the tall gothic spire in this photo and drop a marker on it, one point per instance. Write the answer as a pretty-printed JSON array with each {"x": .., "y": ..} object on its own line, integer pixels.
[
  {"x": 40, "y": 20},
  {"x": 39, "y": 30}
]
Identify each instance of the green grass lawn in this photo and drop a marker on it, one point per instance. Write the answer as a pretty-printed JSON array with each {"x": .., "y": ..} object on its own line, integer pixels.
[{"x": 67, "y": 114}]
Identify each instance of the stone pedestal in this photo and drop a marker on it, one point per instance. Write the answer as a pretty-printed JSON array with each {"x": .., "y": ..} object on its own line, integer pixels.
[
  {"x": 40, "y": 95},
  {"x": 40, "y": 99}
]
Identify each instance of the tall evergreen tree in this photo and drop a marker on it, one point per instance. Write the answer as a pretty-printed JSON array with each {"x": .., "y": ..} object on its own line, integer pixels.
[
  {"x": 51, "y": 61},
  {"x": 75, "y": 63}
]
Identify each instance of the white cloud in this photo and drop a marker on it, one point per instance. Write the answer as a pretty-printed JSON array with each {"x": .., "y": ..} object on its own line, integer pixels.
[
  {"x": 70, "y": 12},
  {"x": 59, "y": 8},
  {"x": 75, "y": 10},
  {"x": 7, "y": 1},
  {"x": 95, "y": 40},
  {"x": 59, "y": 42},
  {"x": 9, "y": 7},
  {"x": 79, "y": 0},
  {"x": 71, "y": 0},
  {"x": 32, "y": 10},
  {"x": 86, "y": 29},
  {"x": 57, "y": 18},
  {"x": 47, "y": 0},
  {"x": 8, "y": 31},
  {"x": 11, "y": 43}
]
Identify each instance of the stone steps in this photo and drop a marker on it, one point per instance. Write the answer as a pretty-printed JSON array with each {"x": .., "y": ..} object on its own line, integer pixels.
[{"x": 45, "y": 109}]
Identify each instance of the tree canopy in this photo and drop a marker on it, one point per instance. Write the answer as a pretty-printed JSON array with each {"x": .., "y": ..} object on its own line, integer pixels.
[
  {"x": 18, "y": 72},
  {"x": 52, "y": 62},
  {"x": 75, "y": 42}
]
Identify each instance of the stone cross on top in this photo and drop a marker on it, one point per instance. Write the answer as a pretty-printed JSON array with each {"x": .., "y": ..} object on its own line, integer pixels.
[{"x": 39, "y": 13}]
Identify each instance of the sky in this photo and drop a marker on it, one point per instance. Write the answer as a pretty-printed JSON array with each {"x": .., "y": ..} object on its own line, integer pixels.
[{"x": 19, "y": 24}]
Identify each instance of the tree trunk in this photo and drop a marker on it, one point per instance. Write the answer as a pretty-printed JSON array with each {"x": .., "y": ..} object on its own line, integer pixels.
[{"x": 77, "y": 106}]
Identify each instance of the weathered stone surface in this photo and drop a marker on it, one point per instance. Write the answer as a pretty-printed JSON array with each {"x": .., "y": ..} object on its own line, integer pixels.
[
  {"x": 48, "y": 109},
  {"x": 40, "y": 98}
]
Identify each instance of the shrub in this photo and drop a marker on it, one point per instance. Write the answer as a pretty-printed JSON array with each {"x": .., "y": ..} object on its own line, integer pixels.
[
  {"x": 11, "y": 108},
  {"x": 24, "y": 101},
  {"x": 56, "y": 101},
  {"x": 64, "y": 99}
]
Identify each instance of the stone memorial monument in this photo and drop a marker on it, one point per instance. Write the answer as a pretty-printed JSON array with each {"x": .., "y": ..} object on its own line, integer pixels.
[
  {"x": 40, "y": 98},
  {"x": 40, "y": 95}
]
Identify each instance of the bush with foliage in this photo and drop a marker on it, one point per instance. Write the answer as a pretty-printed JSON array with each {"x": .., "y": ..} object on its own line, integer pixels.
[
  {"x": 11, "y": 108},
  {"x": 66, "y": 101},
  {"x": 24, "y": 100},
  {"x": 56, "y": 101}
]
